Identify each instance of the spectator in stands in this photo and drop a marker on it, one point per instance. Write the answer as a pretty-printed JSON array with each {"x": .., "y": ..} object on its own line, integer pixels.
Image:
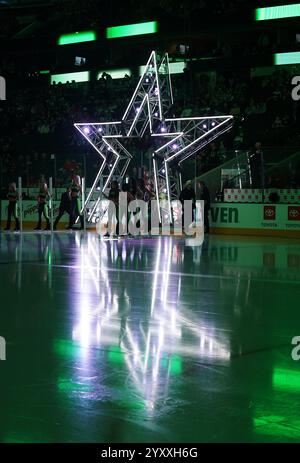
[{"x": 39, "y": 117}]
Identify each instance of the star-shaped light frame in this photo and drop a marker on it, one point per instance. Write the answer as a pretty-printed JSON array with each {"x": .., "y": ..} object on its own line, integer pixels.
[{"x": 180, "y": 138}]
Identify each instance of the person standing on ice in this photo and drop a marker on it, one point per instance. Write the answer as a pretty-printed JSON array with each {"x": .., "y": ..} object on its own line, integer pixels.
[
  {"x": 65, "y": 205},
  {"x": 75, "y": 207},
  {"x": 12, "y": 207},
  {"x": 188, "y": 194},
  {"x": 42, "y": 198}
]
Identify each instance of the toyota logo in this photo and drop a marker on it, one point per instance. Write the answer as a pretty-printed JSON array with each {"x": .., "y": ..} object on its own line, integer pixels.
[
  {"x": 269, "y": 212},
  {"x": 294, "y": 213}
]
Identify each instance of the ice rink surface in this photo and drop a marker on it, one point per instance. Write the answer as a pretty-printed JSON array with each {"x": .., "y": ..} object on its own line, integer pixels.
[{"x": 148, "y": 340}]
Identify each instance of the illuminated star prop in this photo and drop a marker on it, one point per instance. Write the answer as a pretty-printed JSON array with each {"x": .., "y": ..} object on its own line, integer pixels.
[{"x": 180, "y": 138}]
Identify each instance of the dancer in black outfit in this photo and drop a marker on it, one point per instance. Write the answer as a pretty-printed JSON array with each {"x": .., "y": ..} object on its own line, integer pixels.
[
  {"x": 113, "y": 208},
  {"x": 75, "y": 202},
  {"x": 64, "y": 207},
  {"x": 12, "y": 207},
  {"x": 42, "y": 198},
  {"x": 188, "y": 194}
]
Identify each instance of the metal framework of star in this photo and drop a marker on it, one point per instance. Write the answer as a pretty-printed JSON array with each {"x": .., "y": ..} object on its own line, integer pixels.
[{"x": 179, "y": 138}]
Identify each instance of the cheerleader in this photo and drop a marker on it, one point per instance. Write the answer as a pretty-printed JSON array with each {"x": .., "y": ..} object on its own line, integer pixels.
[
  {"x": 75, "y": 202},
  {"x": 12, "y": 209},
  {"x": 42, "y": 198}
]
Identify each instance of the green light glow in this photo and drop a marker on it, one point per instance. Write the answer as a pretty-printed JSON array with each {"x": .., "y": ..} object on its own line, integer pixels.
[
  {"x": 115, "y": 355},
  {"x": 176, "y": 365},
  {"x": 131, "y": 29},
  {"x": 175, "y": 68},
  {"x": 130, "y": 404},
  {"x": 266, "y": 420},
  {"x": 115, "y": 73},
  {"x": 277, "y": 12},
  {"x": 66, "y": 348},
  {"x": 287, "y": 58},
  {"x": 277, "y": 426},
  {"x": 50, "y": 259},
  {"x": 70, "y": 76},
  {"x": 24, "y": 439},
  {"x": 77, "y": 37},
  {"x": 46, "y": 71},
  {"x": 286, "y": 380},
  {"x": 66, "y": 385}
]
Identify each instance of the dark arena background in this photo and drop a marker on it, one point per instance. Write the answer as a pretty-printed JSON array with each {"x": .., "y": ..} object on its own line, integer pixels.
[{"x": 150, "y": 223}]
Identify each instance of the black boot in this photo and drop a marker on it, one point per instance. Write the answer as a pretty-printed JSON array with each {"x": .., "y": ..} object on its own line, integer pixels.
[
  {"x": 70, "y": 226},
  {"x": 17, "y": 227},
  {"x": 48, "y": 227},
  {"x": 81, "y": 223},
  {"x": 8, "y": 223}
]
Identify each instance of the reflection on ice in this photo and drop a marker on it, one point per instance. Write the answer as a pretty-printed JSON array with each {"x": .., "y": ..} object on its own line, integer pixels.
[{"x": 154, "y": 346}]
